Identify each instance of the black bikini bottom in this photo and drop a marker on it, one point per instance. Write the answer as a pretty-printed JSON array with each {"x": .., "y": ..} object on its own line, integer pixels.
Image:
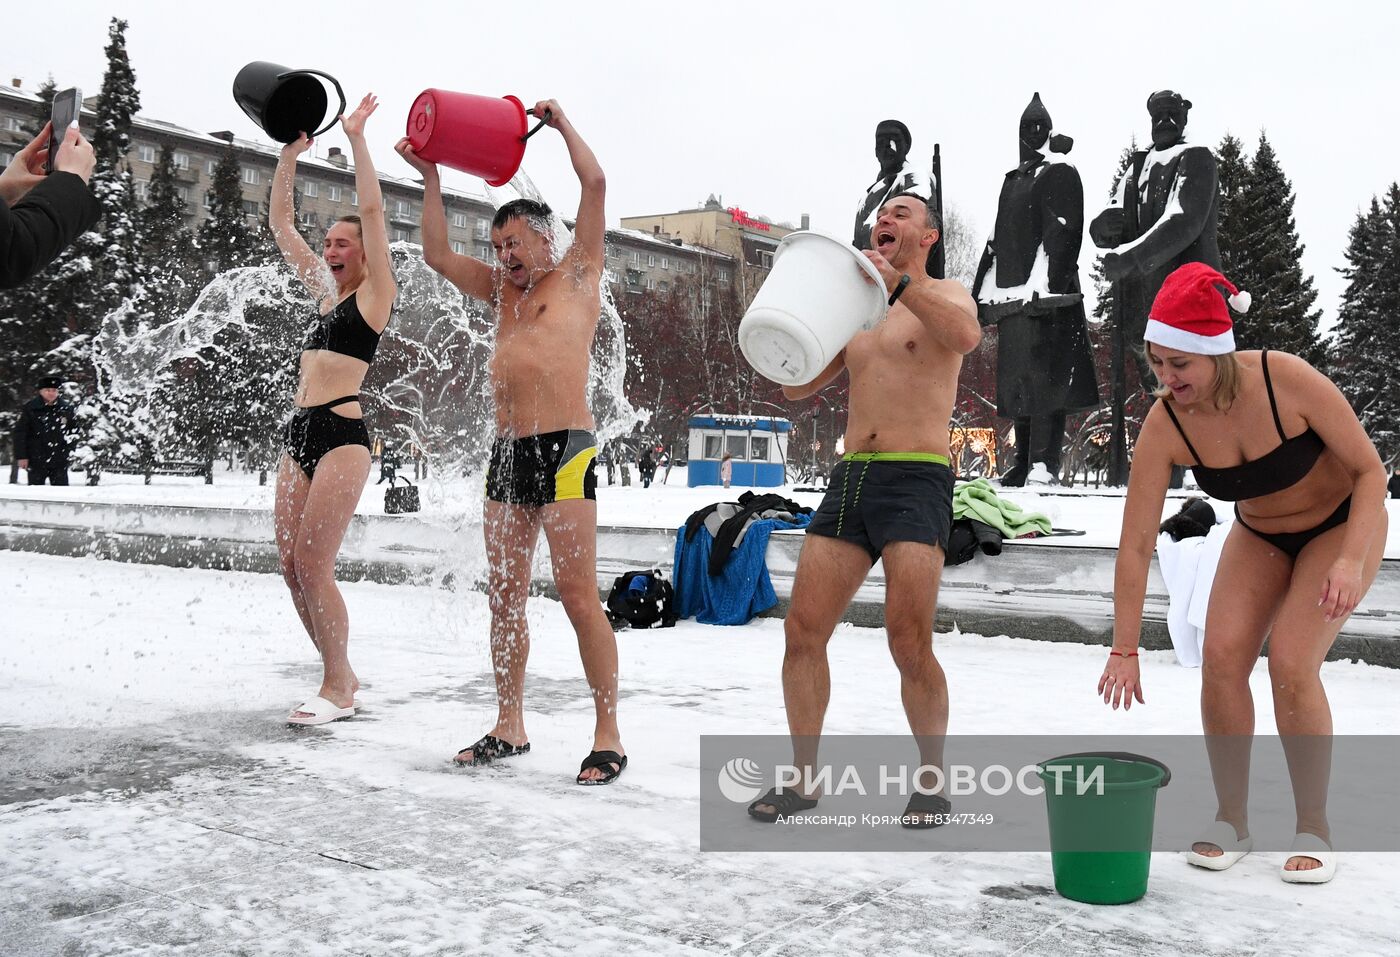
[
  {"x": 313, "y": 431},
  {"x": 1291, "y": 543}
]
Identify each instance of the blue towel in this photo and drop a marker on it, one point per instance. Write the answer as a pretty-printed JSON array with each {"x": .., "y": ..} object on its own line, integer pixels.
[{"x": 742, "y": 591}]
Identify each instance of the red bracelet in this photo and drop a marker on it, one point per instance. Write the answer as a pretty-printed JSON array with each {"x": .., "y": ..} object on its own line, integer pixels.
[{"x": 1123, "y": 654}]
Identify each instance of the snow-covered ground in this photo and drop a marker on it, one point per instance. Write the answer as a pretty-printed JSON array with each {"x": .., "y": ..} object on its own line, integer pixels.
[{"x": 151, "y": 800}]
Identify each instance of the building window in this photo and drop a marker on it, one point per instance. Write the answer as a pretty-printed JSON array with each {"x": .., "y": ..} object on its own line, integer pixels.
[
  {"x": 483, "y": 229},
  {"x": 209, "y": 199},
  {"x": 665, "y": 286},
  {"x": 311, "y": 190},
  {"x": 736, "y": 445},
  {"x": 210, "y": 166},
  {"x": 402, "y": 235},
  {"x": 13, "y": 124},
  {"x": 307, "y": 218},
  {"x": 400, "y": 207},
  {"x": 690, "y": 268},
  {"x": 143, "y": 190},
  {"x": 651, "y": 283},
  {"x": 714, "y": 446},
  {"x": 250, "y": 175},
  {"x": 636, "y": 258},
  {"x": 6, "y": 159},
  {"x": 146, "y": 154},
  {"x": 765, "y": 259},
  {"x": 355, "y": 198},
  {"x": 665, "y": 262},
  {"x": 483, "y": 251},
  {"x": 183, "y": 192},
  {"x": 758, "y": 448},
  {"x": 180, "y": 160},
  {"x": 724, "y": 275},
  {"x": 459, "y": 220},
  {"x": 651, "y": 260},
  {"x": 333, "y": 194},
  {"x": 250, "y": 208},
  {"x": 458, "y": 247}
]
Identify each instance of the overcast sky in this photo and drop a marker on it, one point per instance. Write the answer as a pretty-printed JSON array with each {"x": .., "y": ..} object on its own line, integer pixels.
[{"x": 774, "y": 105}]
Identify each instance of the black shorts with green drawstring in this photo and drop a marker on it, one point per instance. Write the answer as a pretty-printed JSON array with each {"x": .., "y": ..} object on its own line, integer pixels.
[{"x": 875, "y": 498}]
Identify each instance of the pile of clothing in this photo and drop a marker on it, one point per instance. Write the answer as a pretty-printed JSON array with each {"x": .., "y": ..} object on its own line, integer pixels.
[
  {"x": 982, "y": 519},
  {"x": 720, "y": 572}
]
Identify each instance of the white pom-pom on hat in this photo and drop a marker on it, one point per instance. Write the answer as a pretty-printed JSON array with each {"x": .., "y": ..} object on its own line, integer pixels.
[{"x": 1240, "y": 301}]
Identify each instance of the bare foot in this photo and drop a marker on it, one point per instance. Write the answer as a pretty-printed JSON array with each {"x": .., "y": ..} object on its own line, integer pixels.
[{"x": 603, "y": 744}]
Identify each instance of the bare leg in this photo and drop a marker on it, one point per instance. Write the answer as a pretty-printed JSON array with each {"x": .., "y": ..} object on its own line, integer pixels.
[
  {"x": 829, "y": 571},
  {"x": 292, "y": 489},
  {"x": 912, "y": 573},
  {"x": 511, "y": 532},
  {"x": 330, "y": 505},
  {"x": 1249, "y": 582},
  {"x": 1297, "y": 648},
  {"x": 571, "y": 527}
]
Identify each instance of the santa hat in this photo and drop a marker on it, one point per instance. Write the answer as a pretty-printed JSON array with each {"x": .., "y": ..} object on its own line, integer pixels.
[{"x": 1189, "y": 312}]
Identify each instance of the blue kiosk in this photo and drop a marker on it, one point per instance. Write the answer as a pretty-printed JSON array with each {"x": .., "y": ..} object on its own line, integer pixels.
[{"x": 756, "y": 446}]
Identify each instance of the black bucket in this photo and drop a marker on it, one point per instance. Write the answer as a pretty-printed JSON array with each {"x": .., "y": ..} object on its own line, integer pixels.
[{"x": 285, "y": 102}]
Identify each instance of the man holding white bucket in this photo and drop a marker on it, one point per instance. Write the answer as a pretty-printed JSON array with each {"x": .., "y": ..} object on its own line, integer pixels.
[
  {"x": 889, "y": 499},
  {"x": 541, "y": 470}
]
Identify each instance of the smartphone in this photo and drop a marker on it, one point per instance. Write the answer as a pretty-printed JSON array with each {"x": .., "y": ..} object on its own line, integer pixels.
[{"x": 66, "y": 107}]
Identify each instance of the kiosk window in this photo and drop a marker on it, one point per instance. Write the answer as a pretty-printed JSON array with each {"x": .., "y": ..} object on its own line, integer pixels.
[
  {"x": 758, "y": 448},
  {"x": 735, "y": 446},
  {"x": 714, "y": 447}
]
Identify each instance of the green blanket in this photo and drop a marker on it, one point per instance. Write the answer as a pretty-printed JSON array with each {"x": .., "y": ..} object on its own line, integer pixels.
[{"x": 979, "y": 501}]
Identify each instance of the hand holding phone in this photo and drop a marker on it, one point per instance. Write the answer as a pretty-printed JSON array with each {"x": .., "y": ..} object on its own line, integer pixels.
[{"x": 67, "y": 105}]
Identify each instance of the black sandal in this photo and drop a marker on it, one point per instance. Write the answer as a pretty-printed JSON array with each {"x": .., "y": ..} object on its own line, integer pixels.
[
  {"x": 600, "y": 760},
  {"x": 784, "y": 803},
  {"x": 488, "y": 749},
  {"x": 925, "y": 811}
]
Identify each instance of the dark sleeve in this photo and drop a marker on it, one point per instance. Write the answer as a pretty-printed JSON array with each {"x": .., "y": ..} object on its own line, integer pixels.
[
  {"x": 1195, "y": 190},
  {"x": 1062, "y": 225},
  {"x": 22, "y": 434},
  {"x": 38, "y": 227}
]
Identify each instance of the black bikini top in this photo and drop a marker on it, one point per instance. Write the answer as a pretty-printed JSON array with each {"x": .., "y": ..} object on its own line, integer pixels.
[
  {"x": 1273, "y": 472},
  {"x": 345, "y": 331}
]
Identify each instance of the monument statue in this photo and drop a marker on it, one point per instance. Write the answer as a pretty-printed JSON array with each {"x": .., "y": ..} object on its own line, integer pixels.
[
  {"x": 897, "y": 175},
  {"x": 1162, "y": 216},
  {"x": 1028, "y": 286}
]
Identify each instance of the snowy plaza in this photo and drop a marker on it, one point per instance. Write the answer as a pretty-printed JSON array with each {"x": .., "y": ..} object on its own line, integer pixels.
[{"x": 154, "y": 802}]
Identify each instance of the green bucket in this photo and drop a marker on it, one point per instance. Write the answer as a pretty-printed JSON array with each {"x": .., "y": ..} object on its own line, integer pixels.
[{"x": 1101, "y": 806}]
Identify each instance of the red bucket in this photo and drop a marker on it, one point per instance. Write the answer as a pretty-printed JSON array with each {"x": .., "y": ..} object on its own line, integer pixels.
[{"x": 480, "y": 135}]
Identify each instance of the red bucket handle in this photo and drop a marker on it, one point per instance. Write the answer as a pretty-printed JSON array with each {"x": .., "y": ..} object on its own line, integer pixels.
[
  {"x": 538, "y": 126},
  {"x": 335, "y": 116}
]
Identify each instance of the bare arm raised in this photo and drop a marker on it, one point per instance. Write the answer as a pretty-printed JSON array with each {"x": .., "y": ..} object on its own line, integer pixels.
[
  {"x": 944, "y": 306},
  {"x": 472, "y": 276},
  {"x": 590, "y": 225},
  {"x": 376, "y": 295},
  {"x": 310, "y": 268}
]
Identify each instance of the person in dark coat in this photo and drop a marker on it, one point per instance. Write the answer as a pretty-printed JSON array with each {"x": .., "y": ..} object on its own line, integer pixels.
[
  {"x": 43, "y": 435},
  {"x": 1174, "y": 188},
  {"x": 1028, "y": 285},
  {"x": 41, "y": 214},
  {"x": 646, "y": 467}
]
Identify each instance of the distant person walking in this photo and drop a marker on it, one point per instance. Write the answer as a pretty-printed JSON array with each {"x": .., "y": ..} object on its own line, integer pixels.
[
  {"x": 44, "y": 434},
  {"x": 646, "y": 467},
  {"x": 726, "y": 469}
]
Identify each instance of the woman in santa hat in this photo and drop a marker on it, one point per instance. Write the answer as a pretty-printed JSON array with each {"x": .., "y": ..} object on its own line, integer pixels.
[{"x": 1269, "y": 432}]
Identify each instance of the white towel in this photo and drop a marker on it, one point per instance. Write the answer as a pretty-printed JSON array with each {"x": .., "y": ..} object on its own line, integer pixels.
[{"x": 1188, "y": 568}]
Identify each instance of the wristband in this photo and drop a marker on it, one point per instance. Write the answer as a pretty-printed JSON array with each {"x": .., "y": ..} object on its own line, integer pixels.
[
  {"x": 1124, "y": 654},
  {"x": 899, "y": 289}
]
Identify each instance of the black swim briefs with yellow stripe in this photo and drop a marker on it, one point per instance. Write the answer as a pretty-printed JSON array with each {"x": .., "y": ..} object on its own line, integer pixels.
[{"x": 542, "y": 469}]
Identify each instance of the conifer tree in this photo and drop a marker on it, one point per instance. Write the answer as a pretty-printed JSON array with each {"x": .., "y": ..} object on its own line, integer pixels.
[
  {"x": 167, "y": 245},
  {"x": 1270, "y": 266},
  {"x": 1232, "y": 227},
  {"x": 1366, "y": 352},
  {"x": 225, "y": 239}
]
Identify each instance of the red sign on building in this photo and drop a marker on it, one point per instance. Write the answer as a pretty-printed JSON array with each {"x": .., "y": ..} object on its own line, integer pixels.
[{"x": 743, "y": 219}]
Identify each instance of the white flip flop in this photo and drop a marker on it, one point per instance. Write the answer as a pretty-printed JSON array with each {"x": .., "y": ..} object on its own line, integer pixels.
[
  {"x": 1222, "y": 835},
  {"x": 318, "y": 711},
  {"x": 1310, "y": 845}
]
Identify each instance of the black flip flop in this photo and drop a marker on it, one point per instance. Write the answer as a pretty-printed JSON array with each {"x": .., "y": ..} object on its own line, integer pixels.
[
  {"x": 925, "y": 811},
  {"x": 488, "y": 749},
  {"x": 600, "y": 760},
  {"x": 784, "y": 803}
]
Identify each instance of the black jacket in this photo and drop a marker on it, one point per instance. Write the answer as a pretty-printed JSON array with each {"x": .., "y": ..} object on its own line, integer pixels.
[
  {"x": 43, "y": 433},
  {"x": 44, "y": 221}
]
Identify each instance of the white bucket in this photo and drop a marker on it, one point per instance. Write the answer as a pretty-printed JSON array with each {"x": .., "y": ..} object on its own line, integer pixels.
[{"x": 812, "y": 304}]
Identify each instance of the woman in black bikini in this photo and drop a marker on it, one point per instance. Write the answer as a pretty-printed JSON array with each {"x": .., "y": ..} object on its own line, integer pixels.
[
  {"x": 1271, "y": 433},
  {"x": 327, "y": 446}
]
